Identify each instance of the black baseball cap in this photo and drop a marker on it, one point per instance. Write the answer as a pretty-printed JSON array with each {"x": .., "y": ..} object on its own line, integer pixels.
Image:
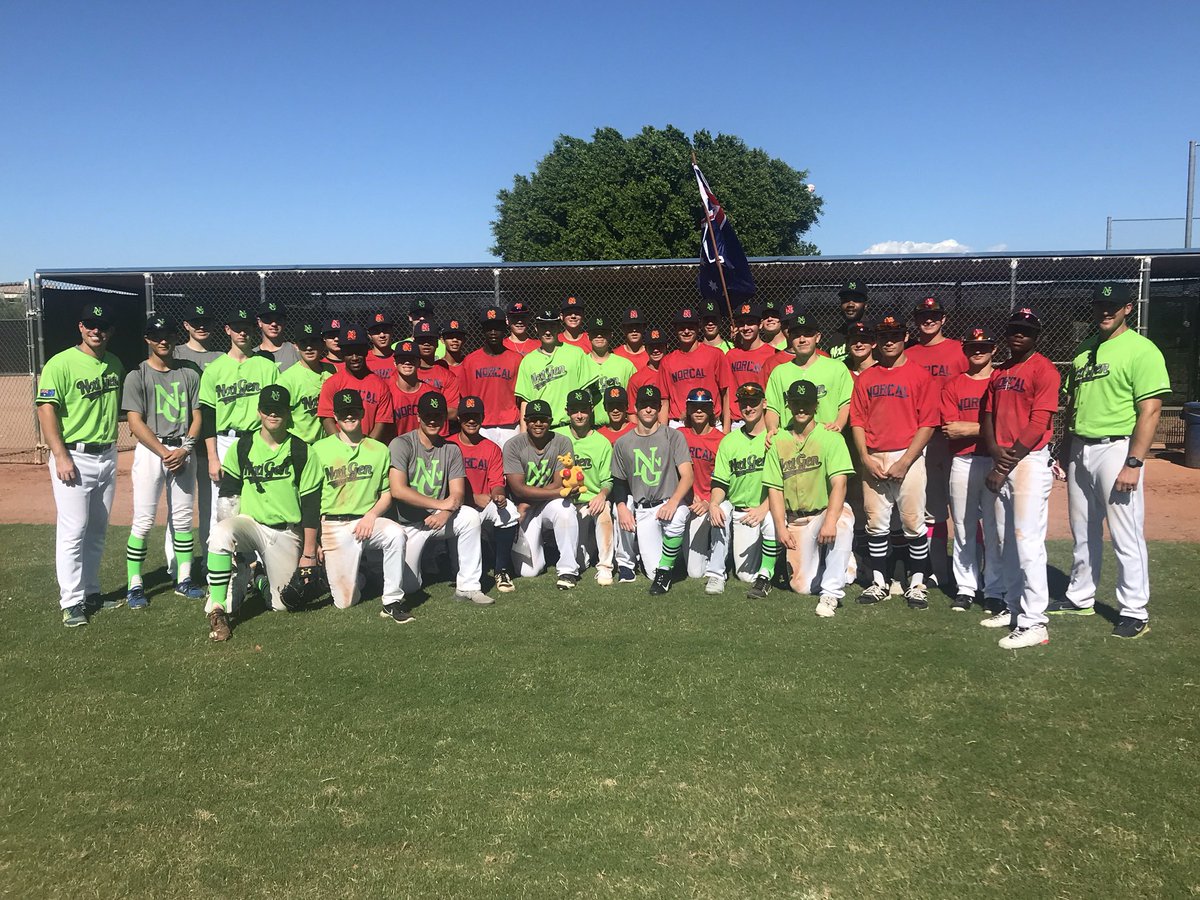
[
  {"x": 701, "y": 396},
  {"x": 331, "y": 325},
  {"x": 538, "y": 409},
  {"x": 547, "y": 316},
  {"x": 379, "y": 320},
  {"x": 600, "y": 325},
  {"x": 347, "y": 401},
  {"x": 432, "y": 405},
  {"x": 800, "y": 321},
  {"x": 308, "y": 333},
  {"x": 889, "y": 323},
  {"x": 633, "y": 316},
  {"x": 352, "y": 335},
  {"x": 687, "y": 316},
  {"x": 271, "y": 311},
  {"x": 853, "y": 288},
  {"x": 1027, "y": 316},
  {"x": 977, "y": 334},
  {"x": 454, "y": 326},
  {"x": 579, "y": 401},
  {"x": 648, "y": 395},
  {"x": 710, "y": 310},
  {"x": 748, "y": 310},
  {"x": 405, "y": 350},
  {"x": 654, "y": 336},
  {"x": 855, "y": 330},
  {"x": 157, "y": 324},
  {"x": 492, "y": 318},
  {"x": 197, "y": 312},
  {"x": 572, "y": 305},
  {"x": 751, "y": 392},
  {"x": 616, "y": 398},
  {"x": 240, "y": 317},
  {"x": 802, "y": 393},
  {"x": 770, "y": 308},
  {"x": 1113, "y": 296},
  {"x": 424, "y": 332},
  {"x": 928, "y": 305},
  {"x": 517, "y": 309},
  {"x": 275, "y": 398},
  {"x": 470, "y": 407},
  {"x": 419, "y": 308}
]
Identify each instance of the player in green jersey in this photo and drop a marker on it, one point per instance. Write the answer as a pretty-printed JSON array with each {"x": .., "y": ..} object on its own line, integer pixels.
[
  {"x": 738, "y": 505},
  {"x": 593, "y": 454},
  {"x": 77, "y": 402},
  {"x": 610, "y": 370},
  {"x": 356, "y": 496},
  {"x": 552, "y": 371},
  {"x": 279, "y": 511},
  {"x": 304, "y": 380},
  {"x": 833, "y": 381},
  {"x": 710, "y": 327},
  {"x": 805, "y": 475}
]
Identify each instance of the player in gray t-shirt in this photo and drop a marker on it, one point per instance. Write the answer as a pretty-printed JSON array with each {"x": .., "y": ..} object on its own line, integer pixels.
[
  {"x": 429, "y": 484},
  {"x": 160, "y": 399},
  {"x": 533, "y": 471},
  {"x": 652, "y": 474}
]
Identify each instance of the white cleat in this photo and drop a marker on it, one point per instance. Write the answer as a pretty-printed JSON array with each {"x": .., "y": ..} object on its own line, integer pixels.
[
  {"x": 1025, "y": 637},
  {"x": 827, "y": 607}
]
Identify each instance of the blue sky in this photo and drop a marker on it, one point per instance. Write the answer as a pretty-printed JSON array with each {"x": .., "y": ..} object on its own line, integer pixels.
[{"x": 170, "y": 134}]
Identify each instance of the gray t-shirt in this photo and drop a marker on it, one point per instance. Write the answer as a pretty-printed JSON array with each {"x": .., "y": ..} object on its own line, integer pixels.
[
  {"x": 429, "y": 471},
  {"x": 538, "y": 466},
  {"x": 165, "y": 400},
  {"x": 201, "y": 358},
  {"x": 285, "y": 356},
  {"x": 650, "y": 463}
]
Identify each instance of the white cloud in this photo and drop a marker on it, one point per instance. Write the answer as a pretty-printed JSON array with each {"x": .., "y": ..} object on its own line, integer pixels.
[{"x": 892, "y": 247}]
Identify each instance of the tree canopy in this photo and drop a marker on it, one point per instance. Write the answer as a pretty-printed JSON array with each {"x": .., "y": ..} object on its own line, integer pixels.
[{"x": 635, "y": 198}]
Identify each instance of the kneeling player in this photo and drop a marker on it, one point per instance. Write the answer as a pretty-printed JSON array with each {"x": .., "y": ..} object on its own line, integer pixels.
[
  {"x": 279, "y": 486},
  {"x": 484, "y": 463},
  {"x": 593, "y": 454},
  {"x": 805, "y": 475},
  {"x": 355, "y": 493},
  {"x": 652, "y": 473}
]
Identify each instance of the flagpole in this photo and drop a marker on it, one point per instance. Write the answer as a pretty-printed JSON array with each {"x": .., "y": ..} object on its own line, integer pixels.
[{"x": 717, "y": 256}]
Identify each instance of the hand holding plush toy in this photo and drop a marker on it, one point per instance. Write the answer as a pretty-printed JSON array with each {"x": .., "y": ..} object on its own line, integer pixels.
[{"x": 572, "y": 475}]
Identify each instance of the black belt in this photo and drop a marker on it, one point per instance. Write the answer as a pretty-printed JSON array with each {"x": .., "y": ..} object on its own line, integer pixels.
[
  {"x": 342, "y": 517},
  {"x": 89, "y": 448},
  {"x": 647, "y": 504},
  {"x": 282, "y": 526},
  {"x": 236, "y": 432},
  {"x": 793, "y": 515},
  {"x": 170, "y": 441},
  {"x": 1108, "y": 439}
]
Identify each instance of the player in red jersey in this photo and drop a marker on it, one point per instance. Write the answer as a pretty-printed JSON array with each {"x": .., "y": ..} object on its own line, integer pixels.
[
  {"x": 633, "y": 349},
  {"x": 616, "y": 405},
  {"x": 490, "y": 373},
  {"x": 520, "y": 339},
  {"x": 454, "y": 337},
  {"x": 693, "y": 365},
  {"x": 379, "y": 358},
  {"x": 573, "y": 333},
  {"x": 431, "y": 370},
  {"x": 376, "y": 395},
  {"x": 702, "y": 441},
  {"x": 749, "y": 354},
  {"x": 329, "y": 334},
  {"x": 893, "y": 413},
  {"x": 656, "y": 352},
  {"x": 488, "y": 494},
  {"x": 407, "y": 390}
]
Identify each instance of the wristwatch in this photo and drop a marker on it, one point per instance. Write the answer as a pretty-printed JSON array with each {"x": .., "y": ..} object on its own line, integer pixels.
[{"x": 1134, "y": 463}]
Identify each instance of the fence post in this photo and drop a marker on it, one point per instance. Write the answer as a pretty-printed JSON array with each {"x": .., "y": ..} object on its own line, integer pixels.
[
  {"x": 1143, "y": 326},
  {"x": 35, "y": 316},
  {"x": 496, "y": 286},
  {"x": 262, "y": 288},
  {"x": 1012, "y": 284},
  {"x": 149, "y": 293}
]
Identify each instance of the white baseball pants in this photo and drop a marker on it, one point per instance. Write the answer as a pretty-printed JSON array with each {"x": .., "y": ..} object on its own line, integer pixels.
[
  {"x": 747, "y": 545},
  {"x": 150, "y": 479},
  {"x": 1025, "y": 509},
  {"x": 242, "y": 537},
  {"x": 700, "y": 545},
  {"x": 970, "y": 504},
  {"x": 1091, "y": 474},
  {"x": 647, "y": 537},
  {"x": 343, "y": 555},
  {"x": 595, "y": 538},
  {"x": 821, "y": 570},
  {"x": 880, "y": 497},
  {"x": 558, "y": 516},
  {"x": 224, "y": 442},
  {"x": 82, "y": 509},
  {"x": 465, "y": 526}
]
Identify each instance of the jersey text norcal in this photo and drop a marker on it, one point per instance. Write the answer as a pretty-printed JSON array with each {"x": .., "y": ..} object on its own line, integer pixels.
[
  {"x": 885, "y": 390},
  {"x": 679, "y": 375}
]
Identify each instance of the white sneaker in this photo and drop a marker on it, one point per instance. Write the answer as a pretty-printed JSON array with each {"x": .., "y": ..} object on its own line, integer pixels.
[
  {"x": 604, "y": 577},
  {"x": 715, "y": 585},
  {"x": 827, "y": 606},
  {"x": 479, "y": 598},
  {"x": 1025, "y": 637},
  {"x": 1000, "y": 620}
]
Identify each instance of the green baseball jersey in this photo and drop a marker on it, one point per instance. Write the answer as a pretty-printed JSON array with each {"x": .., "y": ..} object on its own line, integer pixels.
[
  {"x": 833, "y": 381},
  {"x": 614, "y": 371},
  {"x": 1108, "y": 378},
  {"x": 739, "y": 467},
  {"x": 723, "y": 345},
  {"x": 86, "y": 392},
  {"x": 305, "y": 387},
  {"x": 278, "y": 501},
  {"x": 232, "y": 388},
  {"x": 353, "y": 476},
  {"x": 164, "y": 400},
  {"x": 802, "y": 467},
  {"x": 551, "y": 376},
  {"x": 593, "y": 454}
]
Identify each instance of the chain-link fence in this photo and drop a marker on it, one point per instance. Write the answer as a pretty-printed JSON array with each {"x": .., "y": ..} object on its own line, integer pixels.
[
  {"x": 18, "y": 362},
  {"x": 974, "y": 289}
]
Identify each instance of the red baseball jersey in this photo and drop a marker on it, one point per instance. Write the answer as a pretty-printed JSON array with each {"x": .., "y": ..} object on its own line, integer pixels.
[
  {"x": 747, "y": 366},
  {"x": 493, "y": 379},
  {"x": 1018, "y": 390},
  {"x": 638, "y": 359},
  {"x": 612, "y": 435},
  {"x": 583, "y": 342},
  {"x": 703, "y": 450},
  {"x": 942, "y": 361},
  {"x": 376, "y": 397},
  {"x": 521, "y": 347},
  {"x": 484, "y": 464},
  {"x": 636, "y": 380},
  {"x": 778, "y": 359},
  {"x": 383, "y": 366},
  {"x": 891, "y": 402},
  {"x": 441, "y": 378},
  {"x": 700, "y": 367},
  {"x": 962, "y": 401},
  {"x": 404, "y": 406}
]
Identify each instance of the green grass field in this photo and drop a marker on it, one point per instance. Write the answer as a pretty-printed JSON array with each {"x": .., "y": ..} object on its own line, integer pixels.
[{"x": 600, "y": 743}]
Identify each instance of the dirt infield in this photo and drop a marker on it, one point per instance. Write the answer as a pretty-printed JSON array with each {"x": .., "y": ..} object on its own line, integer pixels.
[{"x": 1171, "y": 492}]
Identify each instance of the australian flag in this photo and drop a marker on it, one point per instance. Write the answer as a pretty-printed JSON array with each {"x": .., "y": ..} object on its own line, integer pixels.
[{"x": 719, "y": 244}]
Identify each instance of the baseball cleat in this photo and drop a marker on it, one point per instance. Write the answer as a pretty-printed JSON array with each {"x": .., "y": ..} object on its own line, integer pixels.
[
  {"x": 876, "y": 593},
  {"x": 397, "y": 612},
  {"x": 504, "y": 582},
  {"x": 1000, "y": 620},
  {"x": 917, "y": 597},
  {"x": 74, "y": 616},
  {"x": 993, "y": 606},
  {"x": 136, "y": 598},
  {"x": 714, "y": 585},
  {"x": 218, "y": 625},
  {"x": 626, "y": 576},
  {"x": 1019, "y": 637},
  {"x": 760, "y": 588},
  {"x": 662, "y": 582},
  {"x": 1065, "y": 607},
  {"x": 827, "y": 606},
  {"x": 479, "y": 598},
  {"x": 962, "y": 603},
  {"x": 191, "y": 590},
  {"x": 1130, "y": 628},
  {"x": 567, "y": 581}
]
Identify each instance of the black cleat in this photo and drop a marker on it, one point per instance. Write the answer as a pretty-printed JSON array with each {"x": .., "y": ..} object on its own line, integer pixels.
[
  {"x": 662, "y": 582},
  {"x": 760, "y": 589},
  {"x": 1130, "y": 628}
]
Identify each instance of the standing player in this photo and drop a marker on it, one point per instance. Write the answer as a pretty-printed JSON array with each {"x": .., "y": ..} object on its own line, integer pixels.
[
  {"x": 852, "y": 303},
  {"x": 1017, "y": 425},
  {"x": 693, "y": 365},
  {"x": 771, "y": 331},
  {"x": 454, "y": 337},
  {"x": 376, "y": 395},
  {"x": 970, "y": 502},
  {"x": 656, "y": 352},
  {"x": 271, "y": 319},
  {"x": 893, "y": 413},
  {"x": 160, "y": 400},
  {"x": 616, "y": 414},
  {"x": 380, "y": 359},
  {"x": 633, "y": 349},
  {"x": 1114, "y": 390},
  {"x": 739, "y": 502},
  {"x": 484, "y": 464},
  {"x": 534, "y": 477},
  {"x": 710, "y": 327},
  {"x": 229, "y": 390},
  {"x": 520, "y": 339},
  {"x": 702, "y": 441},
  {"x": 331, "y": 327},
  {"x": 355, "y": 499},
  {"x": 490, "y": 373},
  {"x": 860, "y": 348},
  {"x": 572, "y": 321},
  {"x": 749, "y": 354},
  {"x": 304, "y": 381},
  {"x": 407, "y": 390},
  {"x": 429, "y": 485},
  {"x": 77, "y": 402},
  {"x": 552, "y": 371},
  {"x": 593, "y": 454},
  {"x": 199, "y": 327},
  {"x": 433, "y": 371},
  {"x": 278, "y": 484},
  {"x": 610, "y": 370},
  {"x": 833, "y": 381},
  {"x": 805, "y": 474},
  {"x": 652, "y": 473}
]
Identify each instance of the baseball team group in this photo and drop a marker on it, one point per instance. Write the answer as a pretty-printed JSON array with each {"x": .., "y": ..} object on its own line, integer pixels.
[{"x": 329, "y": 453}]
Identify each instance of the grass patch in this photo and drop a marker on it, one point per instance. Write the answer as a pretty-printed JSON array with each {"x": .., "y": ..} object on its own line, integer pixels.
[{"x": 598, "y": 743}]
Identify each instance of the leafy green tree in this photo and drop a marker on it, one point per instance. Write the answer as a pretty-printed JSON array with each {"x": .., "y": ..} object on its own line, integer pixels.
[{"x": 635, "y": 198}]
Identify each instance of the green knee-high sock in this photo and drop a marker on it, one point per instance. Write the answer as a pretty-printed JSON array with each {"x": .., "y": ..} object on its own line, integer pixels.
[
  {"x": 770, "y": 553},
  {"x": 135, "y": 555},
  {"x": 184, "y": 545},
  {"x": 670, "y": 551},
  {"x": 220, "y": 569}
]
